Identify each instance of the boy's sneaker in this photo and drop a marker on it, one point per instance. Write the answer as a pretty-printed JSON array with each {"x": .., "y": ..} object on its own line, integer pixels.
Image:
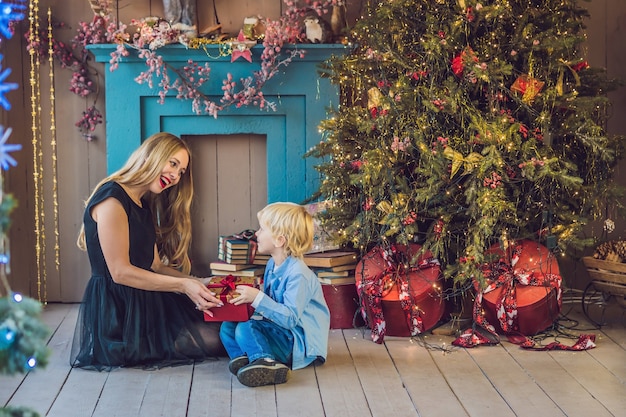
[
  {"x": 237, "y": 363},
  {"x": 263, "y": 372}
]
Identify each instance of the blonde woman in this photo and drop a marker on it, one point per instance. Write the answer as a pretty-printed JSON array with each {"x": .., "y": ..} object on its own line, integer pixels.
[
  {"x": 141, "y": 307},
  {"x": 289, "y": 329}
]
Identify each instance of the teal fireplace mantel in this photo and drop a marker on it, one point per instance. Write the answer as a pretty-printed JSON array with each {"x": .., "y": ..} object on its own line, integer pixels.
[{"x": 301, "y": 96}]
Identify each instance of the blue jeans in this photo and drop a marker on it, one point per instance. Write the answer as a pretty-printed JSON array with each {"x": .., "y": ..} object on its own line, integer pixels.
[{"x": 257, "y": 339}]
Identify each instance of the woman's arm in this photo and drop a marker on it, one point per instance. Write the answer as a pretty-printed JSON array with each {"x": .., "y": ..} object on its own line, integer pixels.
[
  {"x": 159, "y": 267},
  {"x": 113, "y": 232}
]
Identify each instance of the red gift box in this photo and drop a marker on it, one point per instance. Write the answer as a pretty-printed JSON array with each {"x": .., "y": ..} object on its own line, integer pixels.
[
  {"x": 225, "y": 290},
  {"x": 522, "y": 295},
  {"x": 343, "y": 303},
  {"x": 537, "y": 305},
  {"x": 424, "y": 294},
  {"x": 537, "y": 308}
]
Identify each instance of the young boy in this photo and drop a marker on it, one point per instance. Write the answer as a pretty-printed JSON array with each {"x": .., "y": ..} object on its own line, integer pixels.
[{"x": 289, "y": 328}]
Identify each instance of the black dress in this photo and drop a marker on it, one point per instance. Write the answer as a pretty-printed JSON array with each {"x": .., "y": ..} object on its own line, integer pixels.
[{"x": 124, "y": 326}]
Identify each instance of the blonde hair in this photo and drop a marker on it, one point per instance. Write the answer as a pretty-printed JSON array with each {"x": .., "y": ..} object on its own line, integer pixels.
[
  {"x": 291, "y": 221},
  {"x": 171, "y": 209}
]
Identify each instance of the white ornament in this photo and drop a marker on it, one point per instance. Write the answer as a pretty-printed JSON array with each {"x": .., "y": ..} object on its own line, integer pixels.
[{"x": 609, "y": 225}]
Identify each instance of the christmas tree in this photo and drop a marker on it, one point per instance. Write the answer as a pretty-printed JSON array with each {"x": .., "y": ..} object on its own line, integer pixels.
[{"x": 464, "y": 124}]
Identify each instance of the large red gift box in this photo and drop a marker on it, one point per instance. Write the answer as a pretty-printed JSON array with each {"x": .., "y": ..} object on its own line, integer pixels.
[
  {"x": 423, "y": 284},
  {"x": 225, "y": 290},
  {"x": 538, "y": 306}
]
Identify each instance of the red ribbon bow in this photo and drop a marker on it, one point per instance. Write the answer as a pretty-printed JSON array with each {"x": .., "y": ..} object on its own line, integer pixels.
[{"x": 228, "y": 284}]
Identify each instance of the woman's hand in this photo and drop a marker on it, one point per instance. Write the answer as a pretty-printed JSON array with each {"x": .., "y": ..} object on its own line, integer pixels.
[
  {"x": 247, "y": 294},
  {"x": 203, "y": 298}
]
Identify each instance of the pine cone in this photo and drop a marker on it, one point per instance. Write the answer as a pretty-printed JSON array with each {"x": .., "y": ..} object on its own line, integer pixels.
[{"x": 612, "y": 251}]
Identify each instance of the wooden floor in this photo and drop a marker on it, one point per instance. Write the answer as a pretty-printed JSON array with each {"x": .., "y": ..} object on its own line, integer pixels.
[{"x": 402, "y": 377}]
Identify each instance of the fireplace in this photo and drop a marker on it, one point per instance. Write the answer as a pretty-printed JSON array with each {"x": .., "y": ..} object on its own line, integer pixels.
[{"x": 276, "y": 140}]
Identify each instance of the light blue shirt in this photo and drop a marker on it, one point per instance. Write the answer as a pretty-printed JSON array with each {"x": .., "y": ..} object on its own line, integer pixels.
[{"x": 293, "y": 299}]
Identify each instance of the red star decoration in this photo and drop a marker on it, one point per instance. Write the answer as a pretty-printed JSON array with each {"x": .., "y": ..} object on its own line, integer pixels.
[{"x": 241, "y": 48}]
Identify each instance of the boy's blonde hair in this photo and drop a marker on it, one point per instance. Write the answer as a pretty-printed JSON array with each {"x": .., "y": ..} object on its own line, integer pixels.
[{"x": 291, "y": 221}]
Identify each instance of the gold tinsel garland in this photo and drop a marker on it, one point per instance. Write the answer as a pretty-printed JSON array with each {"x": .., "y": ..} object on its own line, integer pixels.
[
  {"x": 37, "y": 144},
  {"x": 33, "y": 12},
  {"x": 53, "y": 145}
]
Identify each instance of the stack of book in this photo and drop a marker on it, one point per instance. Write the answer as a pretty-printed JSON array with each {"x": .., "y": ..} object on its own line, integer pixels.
[
  {"x": 235, "y": 251},
  {"x": 221, "y": 268},
  {"x": 333, "y": 267},
  {"x": 261, "y": 259}
]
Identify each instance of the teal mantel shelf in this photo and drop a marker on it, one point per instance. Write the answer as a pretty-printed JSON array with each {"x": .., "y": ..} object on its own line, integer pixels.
[{"x": 302, "y": 98}]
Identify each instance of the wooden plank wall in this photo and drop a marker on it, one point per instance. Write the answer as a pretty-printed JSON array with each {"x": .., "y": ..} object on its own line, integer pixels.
[
  {"x": 228, "y": 165},
  {"x": 81, "y": 164}
]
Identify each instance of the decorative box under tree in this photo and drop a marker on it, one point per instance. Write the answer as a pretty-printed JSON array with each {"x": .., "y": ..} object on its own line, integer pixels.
[
  {"x": 343, "y": 303},
  {"x": 527, "y": 290},
  {"x": 521, "y": 296},
  {"x": 400, "y": 292}
]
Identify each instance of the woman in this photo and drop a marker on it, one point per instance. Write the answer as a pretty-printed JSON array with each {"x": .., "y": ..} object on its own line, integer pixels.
[{"x": 141, "y": 307}]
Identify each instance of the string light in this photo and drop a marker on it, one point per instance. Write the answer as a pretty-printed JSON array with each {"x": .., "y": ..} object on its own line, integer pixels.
[
  {"x": 53, "y": 145},
  {"x": 31, "y": 363},
  {"x": 33, "y": 17}
]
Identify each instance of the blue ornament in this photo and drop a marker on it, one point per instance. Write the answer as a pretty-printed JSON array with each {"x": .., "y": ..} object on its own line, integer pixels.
[
  {"x": 6, "y": 159},
  {"x": 8, "y": 13},
  {"x": 7, "y": 336}
]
